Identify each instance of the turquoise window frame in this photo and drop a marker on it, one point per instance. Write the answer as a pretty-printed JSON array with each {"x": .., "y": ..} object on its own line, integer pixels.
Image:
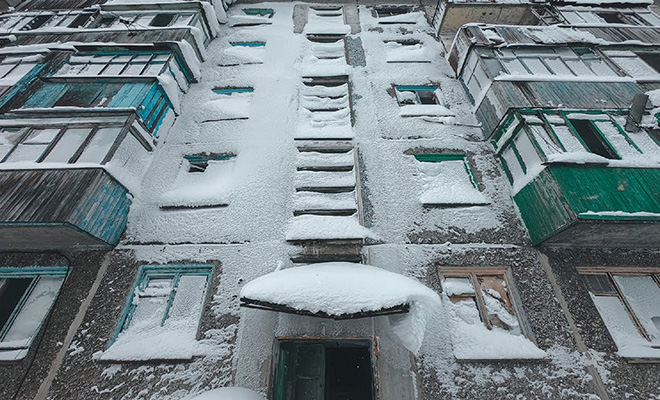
[
  {"x": 31, "y": 273},
  {"x": 147, "y": 272},
  {"x": 417, "y": 90},
  {"x": 262, "y": 12},
  {"x": 230, "y": 91},
  {"x": 440, "y": 157},
  {"x": 248, "y": 44}
]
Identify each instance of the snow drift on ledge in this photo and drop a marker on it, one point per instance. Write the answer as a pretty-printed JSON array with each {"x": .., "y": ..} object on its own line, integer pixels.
[{"x": 340, "y": 288}]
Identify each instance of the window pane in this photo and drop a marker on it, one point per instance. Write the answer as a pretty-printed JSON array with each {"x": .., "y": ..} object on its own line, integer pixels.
[
  {"x": 579, "y": 67},
  {"x": 599, "y": 67},
  {"x": 512, "y": 163},
  {"x": 544, "y": 140},
  {"x": 643, "y": 295},
  {"x": 98, "y": 147},
  {"x": 41, "y": 136},
  {"x": 8, "y": 138},
  {"x": 150, "y": 305},
  {"x": 527, "y": 151},
  {"x": 68, "y": 145},
  {"x": 153, "y": 69},
  {"x": 536, "y": 66},
  {"x": 515, "y": 67},
  {"x": 34, "y": 311},
  {"x": 187, "y": 304},
  {"x": 134, "y": 69},
  {"x": 567, "y": 139},
  {"x": 636, "y": 68},
  {"x": 558, "y": 67},
  {"x": 113, "y": 69},
  {"x": 599, "y": 284},
  {"x": 11, "y": 293},
  {"x": 617, "y": 320},
  {"x": 498, "y": 304}
]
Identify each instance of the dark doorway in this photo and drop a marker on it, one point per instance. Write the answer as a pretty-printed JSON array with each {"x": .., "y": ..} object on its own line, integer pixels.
[{"x": 324, "y": 370}]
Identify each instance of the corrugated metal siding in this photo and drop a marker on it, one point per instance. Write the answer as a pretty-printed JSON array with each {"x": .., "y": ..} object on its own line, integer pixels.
[
  {"x": 609, "y": 189},
  {"x": 543, "y": 207},
  {"x": 90, "y": 199}
]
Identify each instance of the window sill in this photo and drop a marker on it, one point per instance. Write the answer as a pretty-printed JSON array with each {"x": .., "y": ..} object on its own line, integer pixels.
[{"x": 12, "y": 355}]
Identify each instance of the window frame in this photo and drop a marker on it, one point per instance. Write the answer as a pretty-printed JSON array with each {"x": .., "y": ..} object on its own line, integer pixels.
[
  {"x": 416, "y": 90},
  {"x": 654, "y": 273},
  {"x": 473, "y": 273},
  {"x": 145, "y": 272},
  {"x": 35, "y": 273}
]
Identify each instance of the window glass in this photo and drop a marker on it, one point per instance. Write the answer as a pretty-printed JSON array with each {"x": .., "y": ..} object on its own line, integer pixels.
[
  {"x": 512, "y": 164},
  {"x": 557, "y": 66},
  {"x": 99, "y": 145},
  {"x": 68, "y": 144},
  {"x": 616, "y": 138},
  {"x": 567, "y": 139},
  {"x": 8, "y": 139},
  {"x": 643, "y": 295}
]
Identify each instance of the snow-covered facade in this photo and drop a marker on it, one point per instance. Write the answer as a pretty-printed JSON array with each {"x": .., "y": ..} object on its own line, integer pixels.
[{"x": 329, "y": 200}]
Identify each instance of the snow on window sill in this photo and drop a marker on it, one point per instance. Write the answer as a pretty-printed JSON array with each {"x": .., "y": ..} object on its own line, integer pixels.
[{"x": 13, "y": 355}]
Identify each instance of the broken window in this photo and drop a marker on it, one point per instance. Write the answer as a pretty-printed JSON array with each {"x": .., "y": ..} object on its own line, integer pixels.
[
  {"x": 592, "y": 139},
  {"x": 26, "y": 297},
  {"x": 165, "y": 307},
  {"x": 487, "y": 323},
  {"x": 318, "y": 370},
  {"x": 629, "y": 304},
  {"x": 408, "y": 95}
]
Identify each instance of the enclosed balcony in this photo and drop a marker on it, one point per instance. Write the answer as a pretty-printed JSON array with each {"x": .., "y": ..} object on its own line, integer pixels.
[{"x": 579, "y": 179}]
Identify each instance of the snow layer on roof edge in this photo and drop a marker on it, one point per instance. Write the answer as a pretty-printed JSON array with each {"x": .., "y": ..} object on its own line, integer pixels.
[{"x": 339, "y": 288}]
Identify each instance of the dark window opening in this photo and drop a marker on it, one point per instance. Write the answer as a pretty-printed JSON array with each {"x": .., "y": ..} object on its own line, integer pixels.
[
  {"x": 599, "y": 284},
  {"x": 36, "y": 22},
  {"x": 592, "y": 139},
  {"x": 427, "y": 97},
  {"x": 161, "y": 20},
  {"x": 390, "y": 11},
  {"x": 11, "y": 293},
  {"x": 80, "y": 20},
  {"x": 83, "y": 95},
  {"x": 318, "y": 370},
  {"x": 106, "y": 21},
  {"x": 611, "y": 18},
  {"x": 651, "y": 59},
  {"x": 199, "y": 162}
]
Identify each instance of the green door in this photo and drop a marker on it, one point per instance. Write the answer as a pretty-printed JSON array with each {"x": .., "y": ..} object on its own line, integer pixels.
[{"x": 310, "y": 372}]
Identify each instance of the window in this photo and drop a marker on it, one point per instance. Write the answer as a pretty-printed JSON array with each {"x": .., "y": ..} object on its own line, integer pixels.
[
  {"x": 150, "y": 64},
  {"x": 36, "y": 22},
  {"x": 592, "y": 139},
  {"x": 629, "y": 304},
  {"x": 560, "y": 61},
  {"x": 161, "y": 20},
  {"x": 407, "y": 95},
  {"x": 199, "y": 162},
  {"x": 12, "y": 69},
  {"x": 391, "y": 11},
  {"x": 262, "y": 12},
  {"x": 26, "y": 296},
  {"x": 231, "y": 90},
  {"x": 68, "y": 145},
  {"x": 163, "y": 312},
  {"x": 487, "y": 322},
  {"x": 317, "y": 370},
  {"x": 106, "y": 21},
  {"x": 448, "y": 180}
]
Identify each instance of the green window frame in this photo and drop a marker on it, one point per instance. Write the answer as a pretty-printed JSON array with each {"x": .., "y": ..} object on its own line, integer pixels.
[
  {"x": 420, "y": 95},
  {"x": 231, "y": 90},
  {"x": 261, "y": 12},
  {"x": 26, "y": 298},
  {"x": 149, "y": 285}
]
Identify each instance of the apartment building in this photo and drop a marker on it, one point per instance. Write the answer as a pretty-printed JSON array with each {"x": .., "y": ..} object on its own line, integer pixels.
[{"x": 329, "y": 200}]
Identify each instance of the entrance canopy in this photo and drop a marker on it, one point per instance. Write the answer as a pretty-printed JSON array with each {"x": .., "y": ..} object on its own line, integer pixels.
[{"x": 341, "y": 290}]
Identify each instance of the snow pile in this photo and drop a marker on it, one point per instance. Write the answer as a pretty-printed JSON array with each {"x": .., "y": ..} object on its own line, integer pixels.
[
  {"x": 448, "y": 183},
  {"x": 321, "y": 227},
  {"x": 340, "y": 288},
  {"x": 229, "y": 393},
  {"x": 398, "y": 52},
  {"x": 211, "y": 188},
  {"x": 224, "y": 107},
  {"x": 243, "y": 55},
  {"x": 425, "y": 110}
]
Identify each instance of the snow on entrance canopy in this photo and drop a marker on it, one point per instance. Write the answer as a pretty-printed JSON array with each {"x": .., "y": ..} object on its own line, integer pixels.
[
  {"x": 342, "y": 290},
  {"x": 229, "y": 393}
]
